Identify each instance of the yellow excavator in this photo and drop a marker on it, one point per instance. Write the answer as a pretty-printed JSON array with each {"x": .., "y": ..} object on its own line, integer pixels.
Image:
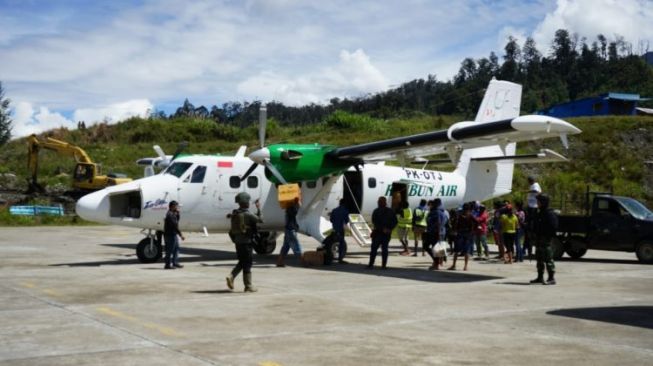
[{"x": 86, "y": 177}]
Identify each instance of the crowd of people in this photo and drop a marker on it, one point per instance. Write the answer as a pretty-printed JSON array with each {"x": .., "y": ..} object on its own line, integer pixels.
[{"x": 462, "y": 233}]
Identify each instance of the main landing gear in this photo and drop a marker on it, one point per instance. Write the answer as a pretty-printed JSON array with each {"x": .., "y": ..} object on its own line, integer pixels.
[{"x": 150, "y": 249}]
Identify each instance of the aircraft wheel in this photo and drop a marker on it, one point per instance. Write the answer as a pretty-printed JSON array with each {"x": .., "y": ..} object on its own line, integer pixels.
[
  {"x": 645, "y": 252},
  {"x": 149, "y": 252},
  {"x": 266, "y": 243},
  {"x": 558, "y": 248},
  {"x": 576, "y": 247}
]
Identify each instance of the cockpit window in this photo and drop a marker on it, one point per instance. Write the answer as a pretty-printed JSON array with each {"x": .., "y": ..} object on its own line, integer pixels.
[
  {"x": 198, "y": 174},
  {"x": 177, "y": 169}
]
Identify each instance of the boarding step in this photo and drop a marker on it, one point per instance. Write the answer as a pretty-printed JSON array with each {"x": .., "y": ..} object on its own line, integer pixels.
[{"x": 360, "y": 230}]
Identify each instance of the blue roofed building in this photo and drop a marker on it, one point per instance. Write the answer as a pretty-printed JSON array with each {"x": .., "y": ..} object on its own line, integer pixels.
[{"x": 602, "y": 105}]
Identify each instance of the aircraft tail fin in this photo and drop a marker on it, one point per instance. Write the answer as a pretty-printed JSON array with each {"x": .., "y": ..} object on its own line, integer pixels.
[
  {"x": 502, "y": 101},
  {"x": 492, "y": 178}
]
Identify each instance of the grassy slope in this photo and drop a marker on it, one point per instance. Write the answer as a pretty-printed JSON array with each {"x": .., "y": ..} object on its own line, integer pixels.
[{"x": 609, "y": 153}]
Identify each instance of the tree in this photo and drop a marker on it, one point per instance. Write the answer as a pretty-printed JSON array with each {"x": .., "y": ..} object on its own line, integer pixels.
[
  {"x": 510, "y": 68},
  {"x": 532, "y": 63},
  {"x": 5, "y": 119}
]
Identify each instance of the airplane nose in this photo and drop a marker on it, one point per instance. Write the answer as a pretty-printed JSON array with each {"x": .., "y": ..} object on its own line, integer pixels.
[
  {"x": 87, "y": 207},
  {"x": 260, "y": 155}
]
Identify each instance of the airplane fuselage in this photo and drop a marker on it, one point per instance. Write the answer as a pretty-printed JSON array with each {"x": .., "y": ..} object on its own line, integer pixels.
[{"x": 207, "y": 186}]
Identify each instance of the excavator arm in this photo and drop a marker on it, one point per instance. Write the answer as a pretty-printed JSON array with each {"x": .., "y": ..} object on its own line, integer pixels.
[{"x": 86, "y": 175}]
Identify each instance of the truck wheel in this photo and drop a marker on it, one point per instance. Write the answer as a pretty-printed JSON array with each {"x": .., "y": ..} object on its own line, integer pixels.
[
  {"x": 558, "y": 248},
  {"x": 645, "y": 252},
  {"x": 147, "y": 253},
  {"x": 576, "y": 247},
  {"x": 266, "y": 242}
]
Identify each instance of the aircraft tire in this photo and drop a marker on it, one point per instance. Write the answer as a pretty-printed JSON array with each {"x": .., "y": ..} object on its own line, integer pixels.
[
  {"x": 645, "y": 252},
  {"x": 147, "y": 253},
  {"x": 576, "y": 247},
  {"x": 266, "y": 243}
]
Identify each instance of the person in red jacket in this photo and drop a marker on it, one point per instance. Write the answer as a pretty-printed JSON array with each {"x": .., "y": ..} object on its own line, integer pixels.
[{"x": 480, "y": 232}]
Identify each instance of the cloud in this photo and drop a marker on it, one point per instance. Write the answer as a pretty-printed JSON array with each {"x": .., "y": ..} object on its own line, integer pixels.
[
  {"x": 589, "y": 18},
  {"x": 28, "y": 120},
  {"x": 114, "y": 112},
  {"x": 77, "y": 56},
  {"x": 352, "y": 76}
]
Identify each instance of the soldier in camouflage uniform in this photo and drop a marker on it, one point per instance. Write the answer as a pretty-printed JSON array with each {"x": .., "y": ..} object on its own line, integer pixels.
[
  {"x": 545, "y": 225},
  {"x": 243, "y": 227}
]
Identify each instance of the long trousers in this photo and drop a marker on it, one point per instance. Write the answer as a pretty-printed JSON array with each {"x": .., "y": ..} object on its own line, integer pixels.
[
  {"x": 244, "y": 253},
  {"x": 380, "y": 240}
]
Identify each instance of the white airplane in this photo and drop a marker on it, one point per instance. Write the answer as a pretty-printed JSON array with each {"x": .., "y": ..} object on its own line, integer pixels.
[
  {"x": 161, "y": 161},
  {"x": 482, "y": 151}
]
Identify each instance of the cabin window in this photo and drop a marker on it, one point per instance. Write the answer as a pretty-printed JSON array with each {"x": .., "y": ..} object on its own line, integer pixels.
[
  {"x": 371, "y": 182},
  {"x": 252, "y": 181},
  {"x": 234, "y": 181},
  {"x": 178, "y": 169},
  {"x": 311, "y": 184},
  {"x": 198, "y": 174}
]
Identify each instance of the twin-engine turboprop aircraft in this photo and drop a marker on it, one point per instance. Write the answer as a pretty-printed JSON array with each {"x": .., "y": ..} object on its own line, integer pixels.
[{"x": 482, "y": 151}]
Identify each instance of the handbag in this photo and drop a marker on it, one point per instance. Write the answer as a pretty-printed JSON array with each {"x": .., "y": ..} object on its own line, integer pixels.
[{"x": 440, "y": 249}]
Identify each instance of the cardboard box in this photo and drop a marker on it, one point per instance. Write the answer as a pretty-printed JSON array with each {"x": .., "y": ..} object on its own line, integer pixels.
[
  {"x": 287, "y": 194},
  {"x": 313, "y": 258}
]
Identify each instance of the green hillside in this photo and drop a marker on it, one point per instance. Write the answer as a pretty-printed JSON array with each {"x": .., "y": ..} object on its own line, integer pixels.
[{"x": 609, "y": 154}]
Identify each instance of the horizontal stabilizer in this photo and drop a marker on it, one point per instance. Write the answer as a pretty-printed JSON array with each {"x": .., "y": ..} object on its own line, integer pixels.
[{"x": 544, "y": 156}]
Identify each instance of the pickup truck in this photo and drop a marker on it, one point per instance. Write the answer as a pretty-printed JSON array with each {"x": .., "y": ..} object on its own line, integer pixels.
[{"x": 612, "y": 223}]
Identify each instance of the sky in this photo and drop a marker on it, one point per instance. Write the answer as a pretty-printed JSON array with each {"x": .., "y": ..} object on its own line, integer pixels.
[{"x": 63, "y": 61}]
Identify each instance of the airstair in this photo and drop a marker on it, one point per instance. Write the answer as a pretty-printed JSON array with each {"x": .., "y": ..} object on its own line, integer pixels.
[{"x": 360, "y": 230}]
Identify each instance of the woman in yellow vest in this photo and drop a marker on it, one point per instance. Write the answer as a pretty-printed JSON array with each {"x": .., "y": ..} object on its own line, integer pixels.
[
  {"x": 509, "y": 225},
  {"x": 405, "y": 224}
]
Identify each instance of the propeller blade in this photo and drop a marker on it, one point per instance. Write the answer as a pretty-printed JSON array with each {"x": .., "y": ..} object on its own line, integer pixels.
[
  {"x": 248, "y": 172},
  {"x": 262, "y": 123},
  {"x": 274, "y": 171}
]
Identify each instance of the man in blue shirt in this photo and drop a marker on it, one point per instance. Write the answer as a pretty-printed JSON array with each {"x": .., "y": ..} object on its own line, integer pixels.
[
  {"x": 339, "y": 221},
  {"x": 290, "y": 235}
]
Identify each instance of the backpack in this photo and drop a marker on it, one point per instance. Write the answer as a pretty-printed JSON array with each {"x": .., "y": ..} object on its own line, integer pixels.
[{"x": 237, "y": 223}]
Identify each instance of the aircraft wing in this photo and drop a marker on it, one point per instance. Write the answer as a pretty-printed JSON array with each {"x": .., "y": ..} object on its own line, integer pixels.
[{"x": 462, "y": 135}]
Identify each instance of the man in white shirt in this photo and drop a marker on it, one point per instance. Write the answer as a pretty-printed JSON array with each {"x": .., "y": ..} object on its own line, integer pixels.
[
  {"x": 533, "y": 190},
  {"x": 531, "y": 200}
]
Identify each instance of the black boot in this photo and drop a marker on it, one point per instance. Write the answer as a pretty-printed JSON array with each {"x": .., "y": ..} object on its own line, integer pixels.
[
  {"x": 539, "y": 279},
  {"x": 551, "y": 280},
  {"x": 247, "y": 279}
]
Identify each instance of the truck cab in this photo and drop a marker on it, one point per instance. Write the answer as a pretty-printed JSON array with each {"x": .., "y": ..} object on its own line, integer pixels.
[{"x": 614, "y": 223}]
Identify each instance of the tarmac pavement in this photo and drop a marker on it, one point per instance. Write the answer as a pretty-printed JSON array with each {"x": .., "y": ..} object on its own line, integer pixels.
[{"x": 78, "y": 295}]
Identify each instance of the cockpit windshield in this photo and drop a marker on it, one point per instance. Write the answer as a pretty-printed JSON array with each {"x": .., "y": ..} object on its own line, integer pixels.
[
  {"x": 178, "y": 168},
  {"x": 635, "y": 208}
]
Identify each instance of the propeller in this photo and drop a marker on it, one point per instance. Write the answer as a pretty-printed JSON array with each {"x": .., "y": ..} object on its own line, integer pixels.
[{"x": 262, "y": 155}]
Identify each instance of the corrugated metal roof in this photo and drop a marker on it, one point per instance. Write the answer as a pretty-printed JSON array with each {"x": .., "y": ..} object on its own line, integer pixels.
[{"x": 623, "y": 96}]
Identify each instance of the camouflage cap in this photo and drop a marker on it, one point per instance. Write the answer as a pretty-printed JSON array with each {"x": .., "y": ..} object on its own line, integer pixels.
[{"x": 243, "y": 197}]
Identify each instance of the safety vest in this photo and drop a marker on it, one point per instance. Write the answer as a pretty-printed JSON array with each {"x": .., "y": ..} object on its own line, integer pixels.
[
  {"x": 420, "y": 217},
  {"x": 407, "y": 220}
]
